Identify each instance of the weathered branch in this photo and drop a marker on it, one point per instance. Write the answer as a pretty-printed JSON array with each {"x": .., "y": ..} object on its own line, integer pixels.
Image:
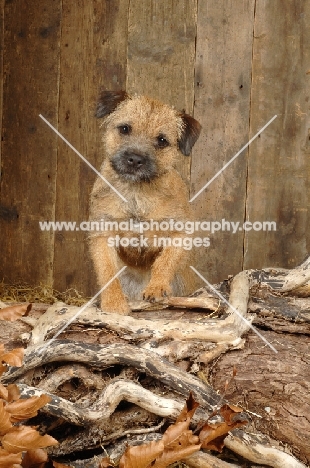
[
  {"x": 251, "y": 449},
  {"x": 104, "y": 356},
  {"x": 297, "y": 277},
  {"x": 134, "y": 420},
  {"x": 106, "y": 404},
  {"x": 200, "y": 300},
  {"x": 205, "y": 460},
  {"x": 238, "y": 300},
  {"x": 212, "y": 330},
  {"x": 57, "y": 316}
]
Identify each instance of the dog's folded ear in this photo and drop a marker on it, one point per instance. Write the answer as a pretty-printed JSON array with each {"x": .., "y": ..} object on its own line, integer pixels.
[
  {"x": 108, "y": 102},
  {"x": 190, "y": 133}
]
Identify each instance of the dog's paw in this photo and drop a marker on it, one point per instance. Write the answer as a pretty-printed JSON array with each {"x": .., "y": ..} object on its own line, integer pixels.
[
  {"x": 115, "y": 307},
  {"x": 156, "y": 293}
]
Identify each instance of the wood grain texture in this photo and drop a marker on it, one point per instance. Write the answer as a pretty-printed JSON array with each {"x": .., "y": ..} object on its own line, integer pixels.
[
  {"x": 279, "y": 162},
  {"x": 1, "y": 71},
  {"x": 30, "y": 58},
  {"x": 222, "y": 102},
  {"x": 265, "y": 380},
  {"x": 57, "y": 55},
  {"x": 161, "y": 54},
  {"x": 94, "y": 48}
]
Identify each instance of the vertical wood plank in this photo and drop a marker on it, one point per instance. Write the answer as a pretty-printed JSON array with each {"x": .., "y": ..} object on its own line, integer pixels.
[
  {"x": 1, "y": 72},
  {"x": 222, "y": 102},
  {"x": 279, "y": 161},
  {"x": 94, "y": 50},
  {"x": 28, "y": 166},
  {"x": 161, "y": 53}
]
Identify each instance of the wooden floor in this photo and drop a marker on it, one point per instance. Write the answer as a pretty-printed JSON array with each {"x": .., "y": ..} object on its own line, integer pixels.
[{"x": 232, "y": 64}]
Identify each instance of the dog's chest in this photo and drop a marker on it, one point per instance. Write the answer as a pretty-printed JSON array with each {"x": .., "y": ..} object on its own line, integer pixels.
[{"x": 138, "y": 207}]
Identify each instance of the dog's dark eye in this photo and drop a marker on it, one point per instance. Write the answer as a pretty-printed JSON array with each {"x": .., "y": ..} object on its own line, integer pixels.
[
  {"x": 124, "y": 129},
  {"x": 162, "y": 142}
]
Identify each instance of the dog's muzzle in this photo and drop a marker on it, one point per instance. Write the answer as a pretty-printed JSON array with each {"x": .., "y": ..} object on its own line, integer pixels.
[{"x": 134, "y": 165}]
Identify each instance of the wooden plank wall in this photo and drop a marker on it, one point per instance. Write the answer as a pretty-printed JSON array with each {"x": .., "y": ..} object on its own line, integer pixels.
[
  {"x": 279, "y": 162},
  {"x": 93, "y": 38},
  {"x": 222, "y": 105},
  {"x": 233, "y": 64},
  {"x": 29, "y": 157}
]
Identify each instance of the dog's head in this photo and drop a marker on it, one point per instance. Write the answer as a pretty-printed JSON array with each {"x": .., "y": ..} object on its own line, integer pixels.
[{"x": 143, "y": 137}]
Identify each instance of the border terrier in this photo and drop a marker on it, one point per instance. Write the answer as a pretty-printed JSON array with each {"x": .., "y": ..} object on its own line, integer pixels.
[{"x": 143, "y": 139}]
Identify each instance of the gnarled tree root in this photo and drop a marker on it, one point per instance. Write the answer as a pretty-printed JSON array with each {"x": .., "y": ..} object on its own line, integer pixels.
[
  {"x": 249, "y": 447},
  {"x": 104, "y": 356}
]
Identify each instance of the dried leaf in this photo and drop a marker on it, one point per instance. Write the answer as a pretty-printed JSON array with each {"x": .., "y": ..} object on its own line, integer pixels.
[
  {"x": 13, "y": 392},
  {"x": 13, "y": 358},
  {"x": 178, "y": 442},
  {"x": 212, "y": 435},
  {"x": 13, "y": 313},
  {"x": 35, "y": 459},
  {"x": 3, "y": 368},
  {"x": 174, "y": 432},
  {"x": 4, "y": 394},
  {"x": 188, "y": 410},
  {"x": 26, "y": 438},
  {"x": 169, "y": 457},
  {"x": 141, "y": 456},
  {"x": 106, "y": 463},
  {"x": 5, "y": 419},
  {"x": 23, "y": 409},
  {"x": 8, "y": 460},
  {"x": 236, "y": 409}
]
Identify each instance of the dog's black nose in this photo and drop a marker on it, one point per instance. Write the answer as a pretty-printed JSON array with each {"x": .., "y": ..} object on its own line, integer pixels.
[{"x": 135, "y": 160}]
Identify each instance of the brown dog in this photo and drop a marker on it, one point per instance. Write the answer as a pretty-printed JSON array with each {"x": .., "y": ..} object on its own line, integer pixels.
[{"x": 143, "y": 139}]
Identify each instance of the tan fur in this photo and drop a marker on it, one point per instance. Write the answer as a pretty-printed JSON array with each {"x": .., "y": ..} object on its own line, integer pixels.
[{"x": 151, "y": 272}]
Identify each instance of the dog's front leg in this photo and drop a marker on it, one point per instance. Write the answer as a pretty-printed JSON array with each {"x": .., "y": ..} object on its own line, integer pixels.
[
  {"x": 106, "y": 266},
  {"x": 163, "y": 272}
]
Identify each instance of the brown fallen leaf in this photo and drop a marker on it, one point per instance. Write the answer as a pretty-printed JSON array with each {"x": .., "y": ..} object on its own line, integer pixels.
[
  {"x": 25, "y": 438},
  {"x": 141, "y": 456},
  {"x": 13, "y": 358},
  {"x": 188, "y": 410},
  {"x": 35, "y": 459},
  {"x": 8, "y": 460},
  {"x": 4, "y": 394},
  {"x": 212, "y": 435},
  {"x": 3, "y": 368},
  {"x": 106, "y": 463},
  {"x": 13, "y": 313},
  {"x": 5, "y": 420},
  {"x": 13, "y": 392},
  {"x": 23, "y": 409},
  {"x": 178, "y": 442}
]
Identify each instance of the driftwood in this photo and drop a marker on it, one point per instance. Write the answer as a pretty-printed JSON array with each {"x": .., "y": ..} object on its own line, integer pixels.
[
  {"x": 105, "y": 356},
  {"x": 297, "y": 281},
  {"x": 258, "y": 451},
  {"x": 201, "y": 299},
  {"x": 146, "y": 344},
  {"x": 106, "y": 404},
  {"x": 228, "y": 331}
]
